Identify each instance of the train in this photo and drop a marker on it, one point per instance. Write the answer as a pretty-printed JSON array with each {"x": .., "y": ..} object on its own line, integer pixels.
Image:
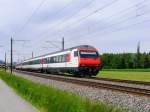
[{"x": 80, "y": 60}]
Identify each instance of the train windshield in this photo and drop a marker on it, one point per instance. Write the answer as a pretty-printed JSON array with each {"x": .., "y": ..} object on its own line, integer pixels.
[{"x": 88, "y": 54}]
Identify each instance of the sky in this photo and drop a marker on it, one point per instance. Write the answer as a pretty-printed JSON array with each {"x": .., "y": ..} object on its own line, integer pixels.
[{"x": 38, "y": 26}]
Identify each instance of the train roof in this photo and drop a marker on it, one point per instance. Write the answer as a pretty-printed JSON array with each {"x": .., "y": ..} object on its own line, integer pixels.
[{"x": 80, "y": 46}]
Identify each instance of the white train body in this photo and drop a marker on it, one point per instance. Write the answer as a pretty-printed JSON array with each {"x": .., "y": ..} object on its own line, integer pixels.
[{"x": 73, "y": 60}]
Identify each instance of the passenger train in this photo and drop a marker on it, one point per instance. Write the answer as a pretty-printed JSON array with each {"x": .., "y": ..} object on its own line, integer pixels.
[{"x": 80, "y": 60}]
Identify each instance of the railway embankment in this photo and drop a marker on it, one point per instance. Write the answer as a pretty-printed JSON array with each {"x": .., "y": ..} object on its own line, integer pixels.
[
  {"x": 113, "y": 98},
  {"x": 48, "y": 99}
]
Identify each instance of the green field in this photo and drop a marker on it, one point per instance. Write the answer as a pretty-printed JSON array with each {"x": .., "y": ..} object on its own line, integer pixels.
[
  {"x": 126, "y": 74},
  {"x": 48, "y": 99}
]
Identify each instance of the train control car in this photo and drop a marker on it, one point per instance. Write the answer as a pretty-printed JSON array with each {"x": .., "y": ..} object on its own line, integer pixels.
[{"x": 79, "y": 60}]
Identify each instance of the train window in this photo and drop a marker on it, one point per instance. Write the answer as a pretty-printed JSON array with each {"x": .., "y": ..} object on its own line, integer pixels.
[
  {"x": 63, "y": 58},
  {"x": 55, "y": 59},
  {"x": 88, "y": 54},
  {"x": 48, "y": 60},
  {"x": 45, "y": 60},
  {"x": 36, "y": 62},
  {"x": 52, "y": 60},
  {"x": 75, "y": 53},
  {"x": 60, "y": 59}
]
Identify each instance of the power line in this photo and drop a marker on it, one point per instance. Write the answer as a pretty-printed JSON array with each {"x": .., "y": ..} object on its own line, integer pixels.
[
  {"x": 63, "y": 8},
  {"x": 120, "y": 12},
  {"x": 110, "y": 17},
  {"x": 30, "y": 18},
  {"x": 35, "y": 11},
  {"x": 60, "y": 10},
  {"x": 125, "y": 20},
  {"x": 129, "y": 26},
  {"x": 93, "y": 12},
  {"x": 96, "y": 11},
  {"x": 66, "y": 19},
  {"x": 118, "y": 29}
]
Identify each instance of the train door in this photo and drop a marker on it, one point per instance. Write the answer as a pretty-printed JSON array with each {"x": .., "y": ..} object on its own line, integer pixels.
[{"x": 75, "y": 58}]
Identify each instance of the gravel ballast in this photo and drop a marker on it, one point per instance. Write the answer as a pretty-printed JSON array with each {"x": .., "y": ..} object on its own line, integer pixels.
[{"x": 123, "y": 100}]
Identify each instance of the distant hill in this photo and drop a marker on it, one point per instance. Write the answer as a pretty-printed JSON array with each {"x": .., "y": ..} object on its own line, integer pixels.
[{"x": 1, "y": 62}]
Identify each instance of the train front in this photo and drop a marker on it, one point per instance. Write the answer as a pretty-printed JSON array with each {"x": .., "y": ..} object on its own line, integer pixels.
[{"x": 89, "y": 61}]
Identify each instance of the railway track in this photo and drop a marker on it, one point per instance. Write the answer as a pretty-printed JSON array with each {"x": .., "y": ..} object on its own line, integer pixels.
[
  {"x": 123, "y": 81},
  {"x": 94, "y": 84}
]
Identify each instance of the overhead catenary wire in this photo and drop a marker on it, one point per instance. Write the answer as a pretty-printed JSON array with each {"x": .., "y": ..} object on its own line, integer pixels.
[
  {"x": 118, "y": 29},
  {"x": 33, "y": 14},
  {"x": 56, "y": 13},
  {"x": 62, "y": 22},
  {"x": 96, "y": 11},
  {"x": 59, "y": 11},
  {"x": 125, "y": 20},
  {"x": 65, "y": 20},
  {"x": 85, "y": 19},
  {"x": 114, "y": 30},
  {"x": 30, "y": 18},
  {"x": 117, "y": 13},
  {"x": 118, "y": 22},
  {"x": 72, "y": 25}
]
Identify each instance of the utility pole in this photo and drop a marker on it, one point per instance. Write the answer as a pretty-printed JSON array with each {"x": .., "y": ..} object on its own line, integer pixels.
[
  {"x": 63, "y": 43},
  {"x": 11, "y": 54},
  {"x": 138, "y": 48},
  {"x": 12, "y": 40},
  {"x": 138, "y": 55},
  {"x": 32, "y": 55},
  {"x": 5, "y": 62}
]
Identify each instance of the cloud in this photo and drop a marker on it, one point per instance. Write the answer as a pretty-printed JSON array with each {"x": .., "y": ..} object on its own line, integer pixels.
[{"x": 65, "y": 18}]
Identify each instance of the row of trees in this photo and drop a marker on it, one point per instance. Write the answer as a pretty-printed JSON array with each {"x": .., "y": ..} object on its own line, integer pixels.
[{"x": 125, "y": 60}]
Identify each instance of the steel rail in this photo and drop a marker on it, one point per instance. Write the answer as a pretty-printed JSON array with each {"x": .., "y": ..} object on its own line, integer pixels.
[
  {"x": 123, "y": 81},
  {"x": 80, "y": 81}
]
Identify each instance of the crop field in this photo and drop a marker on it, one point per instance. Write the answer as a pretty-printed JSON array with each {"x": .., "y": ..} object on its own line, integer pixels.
[
  {"x": 126, "y": 74},
  {"x": 48, "y": 99}
]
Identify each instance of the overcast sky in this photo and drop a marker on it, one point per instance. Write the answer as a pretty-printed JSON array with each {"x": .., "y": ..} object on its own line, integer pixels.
[{"x": 109, "y": 25}]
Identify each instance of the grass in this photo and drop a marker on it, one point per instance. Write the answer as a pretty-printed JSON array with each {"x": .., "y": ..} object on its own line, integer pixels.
[
  {"x": 126, "y": 74},
  {"x": 129, "y": 70},
  {"x": 48, "y": 99}
]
